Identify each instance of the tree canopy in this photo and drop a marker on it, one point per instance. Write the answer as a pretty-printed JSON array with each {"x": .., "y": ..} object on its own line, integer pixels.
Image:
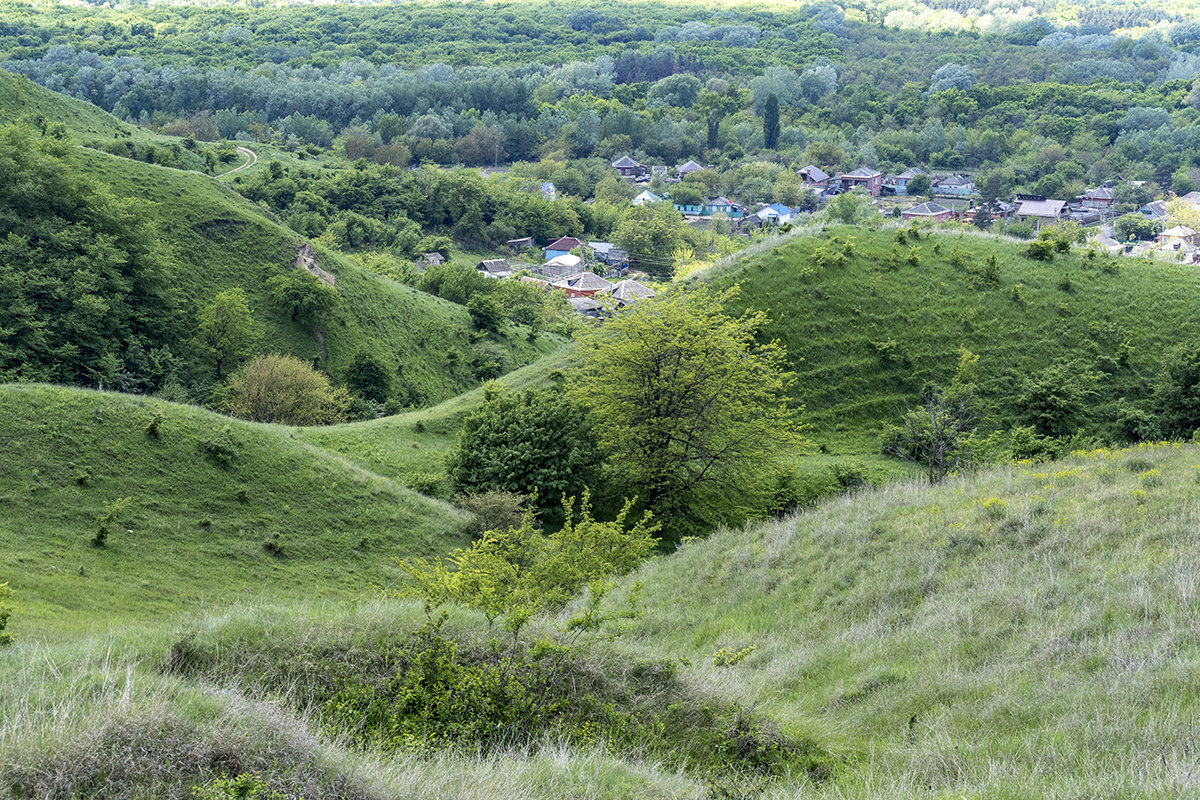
[{"x": 695, "y": 407}]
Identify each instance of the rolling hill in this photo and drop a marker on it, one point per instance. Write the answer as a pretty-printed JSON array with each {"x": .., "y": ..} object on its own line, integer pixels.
[
  {"x": 1023, "y": 632},
  {"x": 207, "y": 509},
  {"x": 871, "y": 322},
  {"x": 209, "y": 239}
]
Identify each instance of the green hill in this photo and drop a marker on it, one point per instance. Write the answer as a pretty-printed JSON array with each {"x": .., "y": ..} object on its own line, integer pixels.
[
  {"x": 868, "y": 331},
  {"x": 194, "y": 237},
  {"x": 1025, "y": 632},
  {"x": 213, "y": 509},
  {"x": 23, "y": 101},
  {"x": 417, "y": 442}
]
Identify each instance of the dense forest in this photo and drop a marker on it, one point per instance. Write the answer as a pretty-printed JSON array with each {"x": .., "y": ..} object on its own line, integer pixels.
[{"x": 1047, "y": 105}]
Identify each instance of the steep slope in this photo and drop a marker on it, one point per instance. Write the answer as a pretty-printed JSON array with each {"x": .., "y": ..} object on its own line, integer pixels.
[
  {"x": 868, "y": 331},
  {"x": 1027, "y": 632},
  {"x": 209, "y": 239},
  {"x": 23, "y": 101},
  {"x": 198, "y": 509}
]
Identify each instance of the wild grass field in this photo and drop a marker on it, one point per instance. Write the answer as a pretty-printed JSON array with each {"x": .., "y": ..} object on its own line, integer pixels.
[
  {"x": 1027, "y": 631},
  {"x": 198, "y": 508}
]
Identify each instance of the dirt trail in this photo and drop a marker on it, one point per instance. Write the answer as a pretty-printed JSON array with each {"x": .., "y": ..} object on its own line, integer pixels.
[{"x": 251, "y": 159}]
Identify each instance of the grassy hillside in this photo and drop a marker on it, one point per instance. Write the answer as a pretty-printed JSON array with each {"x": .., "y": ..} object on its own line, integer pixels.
[
  {"x": 212, "y": 239},
  {"x": 220, "y": 240},
  {"x": 23, "y": 101},
  {"x": 216, "y": 509},
  {"x": 1026, "y": 632},
  {"x": 402, "y": 445},
  {"x": 866, "y": 336}
]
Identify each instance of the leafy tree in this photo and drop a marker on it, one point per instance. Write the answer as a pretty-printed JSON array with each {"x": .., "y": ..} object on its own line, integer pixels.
[
  {"x": 285, "y": 390},
  {"x": 1054, "y": 399},
  {"x": 1177, "y": 393},
  {"x": 225, "y": 331},
  {"x": 771, "y": 122},
  {"x": 650, "y": 234},
  {"x": 680, "y": 90},
  {"x": 532, "y": 443},
  {"x": 919, "y": 185},
  {"x": 368, "y": 377},
  {"x": 849, "y": 208},
  {"x": 1132, "y": 227},
  {"x": 485, "y": 312},
  {"x": 695, "y": 408},
  {"x": 300, "y": 294}
]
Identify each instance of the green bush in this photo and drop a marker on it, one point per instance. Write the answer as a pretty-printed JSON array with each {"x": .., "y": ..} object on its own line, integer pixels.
[
  {"x": 6, "y": 612},
  {"x": 246, "y": 786}
]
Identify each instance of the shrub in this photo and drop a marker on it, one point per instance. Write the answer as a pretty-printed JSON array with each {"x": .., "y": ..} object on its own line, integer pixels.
[
  {"x": 301, "y": 295},
  {"x": 1040, "y": 250},
  {"x": 112, "y": 510},
  {"x": 493, "y": 511},
  {"x": 286, "y": 390},
  {"x": 985, "y": 274},
  {"x": 6, "y": 612},
  {"x": 221, "y": 449},
  {"x": 368, "y": 377},
  {"x": 427, "y": 483},
  {"x": 246, "y": 786}
]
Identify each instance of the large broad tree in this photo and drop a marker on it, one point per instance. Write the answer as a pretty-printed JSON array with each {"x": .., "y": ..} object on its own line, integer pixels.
[
  {"x": 225, "y": 330},
  {"x": 535, "y": 442},
  {"x": 693, "y": 408}
]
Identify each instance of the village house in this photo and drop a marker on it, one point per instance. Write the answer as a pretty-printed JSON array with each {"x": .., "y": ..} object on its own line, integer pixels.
[
  {"x": 561, "y": 247},
  {"x": 561, "y": 267},
  {"x": 953, "y": 185},
  {"x": 1035, "y": 209},
  {"x": 587, "y": 306},
  {"x": 813, "y": 178},
  {"x": 583, "y": 284},
  {"x": 722, "y": 205},
  {"x": 520, "y": 244},
  {"x": 494, "y": 268},
  {"x": 683, "y": 170},
  {"x": 538, "y": 282},
  {"x": 626, "y": 167},
  {"x": 898, "y": 184},
  {"x": 628, "y": 292},
  {"x": 1099, "y": 198},
  {"x": 997, "y": 209},
  {"x": 609, "y": 254},
  {"x": 861, "y": 178},
  {"x": 645, "y": 197},
  {"x": 430, "y": 260},
  {"x": 1178, "y": 236},
  {"x": 774, "y": 214},
  {"x": 931, "y": 211},
  {"x": 1156, "y": 211}
]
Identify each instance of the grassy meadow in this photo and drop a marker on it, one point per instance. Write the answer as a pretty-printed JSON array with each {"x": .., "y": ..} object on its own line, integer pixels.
[
  {"x": 1022, "y": 632},
  {"x": 207, "y": 509}
]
